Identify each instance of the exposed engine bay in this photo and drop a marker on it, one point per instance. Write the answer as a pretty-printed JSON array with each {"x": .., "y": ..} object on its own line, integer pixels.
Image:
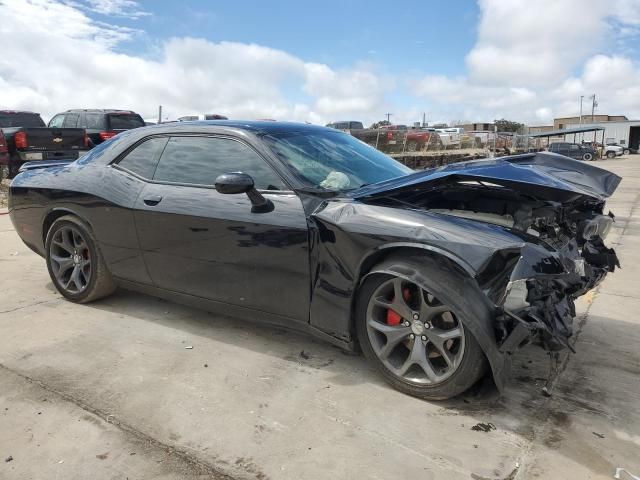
[{"x": 562, "y": 256}]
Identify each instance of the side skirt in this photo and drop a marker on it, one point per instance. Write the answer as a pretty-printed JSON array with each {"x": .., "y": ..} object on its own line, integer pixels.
[{"x": 235, "y": 311}]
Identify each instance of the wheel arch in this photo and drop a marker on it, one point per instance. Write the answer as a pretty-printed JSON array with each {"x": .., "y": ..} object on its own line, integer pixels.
[
  {"x": 400, "y": 260},
  {"x": 54, "y": 214}
]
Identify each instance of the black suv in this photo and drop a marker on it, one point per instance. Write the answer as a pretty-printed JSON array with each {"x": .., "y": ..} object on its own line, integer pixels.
[
  {"x": 100, "y": 125},
  {"x": 574, "y": 150}
]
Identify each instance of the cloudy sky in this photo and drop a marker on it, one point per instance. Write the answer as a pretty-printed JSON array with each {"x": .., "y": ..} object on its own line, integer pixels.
[{"x": 321, "y": 61}]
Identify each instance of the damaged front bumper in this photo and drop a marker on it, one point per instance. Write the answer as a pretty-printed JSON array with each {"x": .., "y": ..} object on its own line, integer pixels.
[{"x": 537, "y": 304}]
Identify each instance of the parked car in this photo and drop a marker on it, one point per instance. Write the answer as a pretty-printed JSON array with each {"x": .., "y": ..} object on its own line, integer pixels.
[
  {"x": 439, "y": 275},
  {"x": 26, "y": 138},
  {"x": 612, "y": 151},
  {"x": 625, "y": 149},
  {"x": 574, "y": 150},
  {"x": 346, "y": 125},
  {"x": 100, "y": 125},
  {"x": 206, "y": 116}
]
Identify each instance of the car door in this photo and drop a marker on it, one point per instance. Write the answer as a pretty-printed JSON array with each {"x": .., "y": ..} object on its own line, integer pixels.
[
  {"x": 575, "y": 151},
  {"x": 198, "y": 241}
]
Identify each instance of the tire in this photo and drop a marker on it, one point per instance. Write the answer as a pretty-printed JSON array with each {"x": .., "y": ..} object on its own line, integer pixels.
[
  {"x": 469, "y": 362},
  {"x": 626, "y": 151},
  {"x": 71, "y": 247},
  {"x": 611, "y": 154},
  {"x": 587, "y": 157},
  {"x": 412, "y": 146}
]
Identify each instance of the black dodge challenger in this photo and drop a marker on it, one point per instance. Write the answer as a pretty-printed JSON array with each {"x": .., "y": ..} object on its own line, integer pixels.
[{"x": 437, "y": 275}]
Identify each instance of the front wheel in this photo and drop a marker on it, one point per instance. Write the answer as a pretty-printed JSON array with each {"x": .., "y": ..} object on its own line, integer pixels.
[
  {"x": 626, "y": 151},
  {"x": 75, "y": 264},
  {"x": 611, "y": 154},
  {"x": 420, "y": 345}
]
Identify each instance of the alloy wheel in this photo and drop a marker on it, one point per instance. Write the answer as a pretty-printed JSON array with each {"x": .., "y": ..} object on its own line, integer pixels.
[
  {"x": 413, "y": 334},
  {"x": 70, "y": 259}
]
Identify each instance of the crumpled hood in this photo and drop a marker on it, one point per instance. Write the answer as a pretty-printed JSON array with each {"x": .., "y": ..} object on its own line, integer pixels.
[{"x": 544, "y": 175}]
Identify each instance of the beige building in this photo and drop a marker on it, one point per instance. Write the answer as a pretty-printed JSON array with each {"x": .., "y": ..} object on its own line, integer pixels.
[{"x": 564, "y": 122}]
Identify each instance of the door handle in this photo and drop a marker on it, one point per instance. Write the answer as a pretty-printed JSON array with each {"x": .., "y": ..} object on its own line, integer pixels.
[{"x": 152, "y": 200}]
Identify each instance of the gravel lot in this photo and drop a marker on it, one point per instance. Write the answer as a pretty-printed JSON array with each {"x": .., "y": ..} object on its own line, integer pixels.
[{"x": 109, "y": 390}]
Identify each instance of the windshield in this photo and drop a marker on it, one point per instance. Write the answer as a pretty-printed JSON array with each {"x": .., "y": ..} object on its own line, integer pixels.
[
  {"x": 125, "y": 121},
  {"x": 334, "y": 160},
  {"x": 20, "y": 120}
]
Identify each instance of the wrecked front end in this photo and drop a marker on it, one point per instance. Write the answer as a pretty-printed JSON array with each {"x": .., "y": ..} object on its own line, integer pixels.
[
  {"x": 534, "y": 288},
  {"x": 555, "y": 206}
]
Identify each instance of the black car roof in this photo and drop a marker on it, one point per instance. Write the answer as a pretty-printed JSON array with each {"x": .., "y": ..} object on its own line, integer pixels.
[
  {"x": 255, "y": 126},
  {"x": 99, "y": 110}
]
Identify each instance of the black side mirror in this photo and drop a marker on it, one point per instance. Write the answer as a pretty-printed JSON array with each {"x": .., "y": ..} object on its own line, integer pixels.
[
  {"x": 238, "y": 182},
  {"x": 233, "y": 183}
]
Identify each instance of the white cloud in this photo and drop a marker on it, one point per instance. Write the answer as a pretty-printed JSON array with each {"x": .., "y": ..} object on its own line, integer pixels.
[
  {"x": 531, "y": 61},
  {"x": 80, "y": 68},
  {"x": 524, "y": 62},
  {"x": 113, "y": 8}
]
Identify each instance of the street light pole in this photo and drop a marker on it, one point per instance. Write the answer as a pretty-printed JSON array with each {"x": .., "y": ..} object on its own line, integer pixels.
[{"x": 581, "y": 98}]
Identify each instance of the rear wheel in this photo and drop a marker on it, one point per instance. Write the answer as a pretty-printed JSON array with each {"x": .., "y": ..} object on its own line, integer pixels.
[
  {"x": 587, "y": 157},
  {"x": 75, "y": 264},
  {"x": 626, "y": 151},
  {"x": 419, "y": 344}
]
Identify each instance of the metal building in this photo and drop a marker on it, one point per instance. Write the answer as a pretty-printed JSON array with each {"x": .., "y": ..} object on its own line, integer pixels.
[{"x": 624, "y": 133}]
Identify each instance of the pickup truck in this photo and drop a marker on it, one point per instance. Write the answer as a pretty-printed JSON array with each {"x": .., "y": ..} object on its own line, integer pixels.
[
  {"x": 394, "y": 138},
  {"x": 27, "y": 139}
]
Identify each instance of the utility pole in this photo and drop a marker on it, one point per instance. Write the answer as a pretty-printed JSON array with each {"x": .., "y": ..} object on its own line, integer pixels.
[
  {"x": 159, "y": 113},
  {"x": 388, "y": 116},
  {"x": 594, "y": 104},
  {"x": 424, "y": 119},
  {"x": 581, "y": 98}
]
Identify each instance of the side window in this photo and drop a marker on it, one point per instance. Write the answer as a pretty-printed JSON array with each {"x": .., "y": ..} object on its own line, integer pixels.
[
  {"x": 95, "y": 121},
  {"x": 71, "y": 120},
  {"x": 573, "y": 146},
  {"x": 143, "y": 159},
  {"x": 56, "y": 122},
  {"x": 199, "y": 160}
]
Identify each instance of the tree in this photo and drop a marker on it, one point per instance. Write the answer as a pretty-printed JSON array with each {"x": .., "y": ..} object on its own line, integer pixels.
[
  {"x": 380, "y": 124},
  {"x": 504, "y": 125}
]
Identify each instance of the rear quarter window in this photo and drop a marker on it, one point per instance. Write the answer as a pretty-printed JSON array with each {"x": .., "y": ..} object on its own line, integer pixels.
[
  {"x": 143, "y": 159},
  {"x": 125, "y": 121}
]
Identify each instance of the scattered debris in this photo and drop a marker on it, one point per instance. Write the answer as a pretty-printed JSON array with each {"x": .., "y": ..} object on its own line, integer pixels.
[
  {"x": 189, "y": 347},
  {"x": 305, "y": 355},
  {"x": 8, "y": 459},
  {"x": 619, "y": 470},
  {"x": 13, "y": 254},
  {"x": 61, "y": 461},
  {"x": 103, "y": 456},
  {"x": 483, "y": 427},
  {"x": 599, "y": 435},
  {"x": 546, "y": 392},
  {"x": 206, "y": 365}
]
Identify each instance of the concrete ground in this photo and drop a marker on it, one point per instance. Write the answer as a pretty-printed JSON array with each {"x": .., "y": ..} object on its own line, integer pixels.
[{"x": 110, "y": 391}]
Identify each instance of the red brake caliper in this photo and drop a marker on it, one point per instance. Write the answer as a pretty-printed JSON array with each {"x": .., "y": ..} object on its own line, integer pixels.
[{"x": 394, "y": 318}]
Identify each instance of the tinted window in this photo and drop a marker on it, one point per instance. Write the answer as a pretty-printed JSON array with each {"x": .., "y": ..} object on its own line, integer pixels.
[
  {"x": 125, "y": 121},
  {"x": 56, "y": 122},
  {"x": 200, "y": 160},
  {"x": 70, "y": 120},
  {"x": 20, "y": 120},
  {"x": 144, "y": 158},
  {"x": 95, "y": 121}
]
